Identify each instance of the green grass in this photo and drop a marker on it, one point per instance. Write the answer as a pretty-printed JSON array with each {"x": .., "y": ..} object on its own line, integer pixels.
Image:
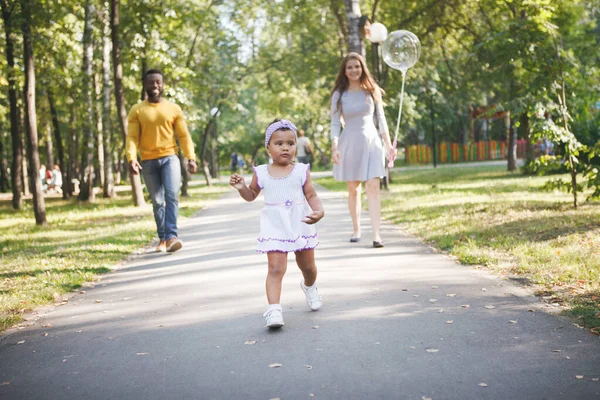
[
  {"x": 82, "y": 240},
  {"x": 505, "y": 222}
]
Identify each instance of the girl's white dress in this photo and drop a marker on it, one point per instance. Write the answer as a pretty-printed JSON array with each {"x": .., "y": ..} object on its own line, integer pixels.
[{"x": 281, "y": 226}]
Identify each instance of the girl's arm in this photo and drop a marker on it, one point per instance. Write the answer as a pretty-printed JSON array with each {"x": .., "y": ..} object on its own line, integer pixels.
[
  {"x": 314, "y": 201},
  {"x": 248, "y": 193}
]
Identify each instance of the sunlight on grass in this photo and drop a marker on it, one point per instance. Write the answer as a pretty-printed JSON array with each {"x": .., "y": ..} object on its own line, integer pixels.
[
  {"x": 40, "y": 264},
  {"x": 504, "y": 221}
]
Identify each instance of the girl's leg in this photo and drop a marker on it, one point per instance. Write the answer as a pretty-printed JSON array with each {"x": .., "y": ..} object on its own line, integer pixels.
[
  {"x": 277, "y": 268},
  {"x": 354, "y": 206},
  {"x": 374, "y": 200},
  {"x": 306, "y": 262}
]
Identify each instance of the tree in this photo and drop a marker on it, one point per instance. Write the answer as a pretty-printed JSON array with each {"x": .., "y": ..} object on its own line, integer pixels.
[
  {"x": 109, "y": 180},
  {"x": 353, "y": 15},
  {"x": 8, "y": 12},
  {"x": 59, "y": 145},
  {"x": 87, "y": 188},
  {"x": 136, "y": 182},
  {"x": 39, "y": 206}
]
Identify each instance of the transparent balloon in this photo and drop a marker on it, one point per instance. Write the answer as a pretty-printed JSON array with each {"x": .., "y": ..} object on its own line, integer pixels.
[{"x": 401, "y": 50}]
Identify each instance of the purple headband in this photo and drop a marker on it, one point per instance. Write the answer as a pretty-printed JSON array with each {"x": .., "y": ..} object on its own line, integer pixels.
[{"x": 275, "y": 126}]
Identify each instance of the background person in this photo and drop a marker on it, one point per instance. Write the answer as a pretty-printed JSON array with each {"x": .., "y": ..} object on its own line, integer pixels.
[
  {"x": 56, "y": 181},
  {"x": 304, "y": 149}
]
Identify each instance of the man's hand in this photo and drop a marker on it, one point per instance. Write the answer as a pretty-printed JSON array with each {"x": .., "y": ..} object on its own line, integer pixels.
[
  {"x": 135, "y": 167},
  {"x": 237, "y": 181},
  {"x": 192, "y": 167}
]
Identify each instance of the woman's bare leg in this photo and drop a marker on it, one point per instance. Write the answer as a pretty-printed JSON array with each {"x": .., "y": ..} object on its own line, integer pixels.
[
  {"x": 354, "y": 206},
  {"x": 374, "y": 201}
]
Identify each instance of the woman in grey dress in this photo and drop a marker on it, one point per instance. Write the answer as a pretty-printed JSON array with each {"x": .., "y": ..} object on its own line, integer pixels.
[{"x": 359, "y": 150}]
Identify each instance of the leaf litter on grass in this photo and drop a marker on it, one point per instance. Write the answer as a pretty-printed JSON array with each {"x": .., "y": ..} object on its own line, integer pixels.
[{"x": 503, "y": 221}]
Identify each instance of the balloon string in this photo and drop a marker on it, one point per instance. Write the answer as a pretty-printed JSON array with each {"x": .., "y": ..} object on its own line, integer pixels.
[{"x": 400, "y": 108}]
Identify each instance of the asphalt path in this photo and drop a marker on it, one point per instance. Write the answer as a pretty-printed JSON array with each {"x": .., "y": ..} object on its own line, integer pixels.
[{"x": 402, "y": 322}]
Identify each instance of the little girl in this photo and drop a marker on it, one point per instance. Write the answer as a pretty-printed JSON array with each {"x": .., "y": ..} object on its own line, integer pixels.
[{"x": 287, "y": 220}]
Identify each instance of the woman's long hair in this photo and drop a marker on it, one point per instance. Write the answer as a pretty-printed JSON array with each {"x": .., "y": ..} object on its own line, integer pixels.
[{"x": 367, "y": 83}]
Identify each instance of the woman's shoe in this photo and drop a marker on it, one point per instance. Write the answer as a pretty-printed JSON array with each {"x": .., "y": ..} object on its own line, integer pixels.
[
  {"x": 377, "y": 244},
  {"x": 355, "y": 239}
]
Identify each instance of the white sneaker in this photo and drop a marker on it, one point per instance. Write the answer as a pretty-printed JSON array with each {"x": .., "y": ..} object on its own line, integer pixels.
[
  {"x": 274, "y": 316},
  {"x": 312, "y": 296}
]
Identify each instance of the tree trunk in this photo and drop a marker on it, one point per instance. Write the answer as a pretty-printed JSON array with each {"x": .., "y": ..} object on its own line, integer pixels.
[
  {"x": 213, "y": 161},
  {"x": 355, "y": 43},
  {"x": 203, "y": 160},
  {"x": 526, "y": 134},
  {"x": 59, "y": 147},
  {"x": 136, "y": 182},
  {"x": 143, "y": 95},
  {"x": 184, "y": 174},
  {"x": 109, "y": 180},
  {"x": 39, "y": 207},
  {"x": 99, "y": 128},
  {"x": 117, "y": 166},
  {"x": 49, "y": 147},
  {"x": 573, "y": 180},
  {"x": 3, "y": 165},
  {"x": 213, "y": 150},
  {"x": 511, "y": 148},
  {"x": 15, "y": 132},
  {"x": 72, "y": 168},
  {"x": 87, "y": 185},
  {"x": 25, "y": 182}
]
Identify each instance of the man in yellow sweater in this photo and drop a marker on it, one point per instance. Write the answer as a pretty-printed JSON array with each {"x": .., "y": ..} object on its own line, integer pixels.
[{"x": 153, "y": 126}]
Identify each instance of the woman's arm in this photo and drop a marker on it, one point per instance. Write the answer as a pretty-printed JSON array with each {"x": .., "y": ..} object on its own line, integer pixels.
[
  {"x": 382, "y": 122},
  {"x": 383, "y": 126},
  {"x": 336, "y": 127}
]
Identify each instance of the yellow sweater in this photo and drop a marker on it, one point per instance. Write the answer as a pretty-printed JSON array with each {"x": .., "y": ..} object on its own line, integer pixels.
[{"x": 152, "y": 129}]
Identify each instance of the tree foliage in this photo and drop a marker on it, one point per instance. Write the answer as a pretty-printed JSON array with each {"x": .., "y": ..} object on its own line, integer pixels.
[{"x": 234, "y": 66}]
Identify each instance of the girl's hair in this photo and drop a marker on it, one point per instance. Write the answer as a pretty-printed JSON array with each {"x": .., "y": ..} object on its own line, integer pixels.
[{"x": 367, "y": 82}]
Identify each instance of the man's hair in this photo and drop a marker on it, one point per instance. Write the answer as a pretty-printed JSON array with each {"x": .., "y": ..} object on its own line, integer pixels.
[{"x": 151, "y": 72}]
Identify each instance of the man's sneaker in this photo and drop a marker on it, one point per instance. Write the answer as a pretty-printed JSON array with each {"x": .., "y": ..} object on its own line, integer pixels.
[
  {"x": 174, "y": 244},
  {"x": 162, "y": 247},
  {"x": 312, "y": 296},
  {"x": 274, "y": 316}
]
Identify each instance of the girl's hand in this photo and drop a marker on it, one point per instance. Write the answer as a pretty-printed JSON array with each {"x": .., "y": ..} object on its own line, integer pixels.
[
  {"x": 335, "y": 156},
  {"x": 237, "y": 181},
  {"x": 313, "y": 217}
]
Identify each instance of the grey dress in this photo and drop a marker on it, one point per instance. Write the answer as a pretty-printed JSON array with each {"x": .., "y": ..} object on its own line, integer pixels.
[{"x": 360, "y": 145}]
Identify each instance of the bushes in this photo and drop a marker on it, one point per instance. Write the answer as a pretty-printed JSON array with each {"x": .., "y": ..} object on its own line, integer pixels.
[{"x": 545, "y": 165}]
